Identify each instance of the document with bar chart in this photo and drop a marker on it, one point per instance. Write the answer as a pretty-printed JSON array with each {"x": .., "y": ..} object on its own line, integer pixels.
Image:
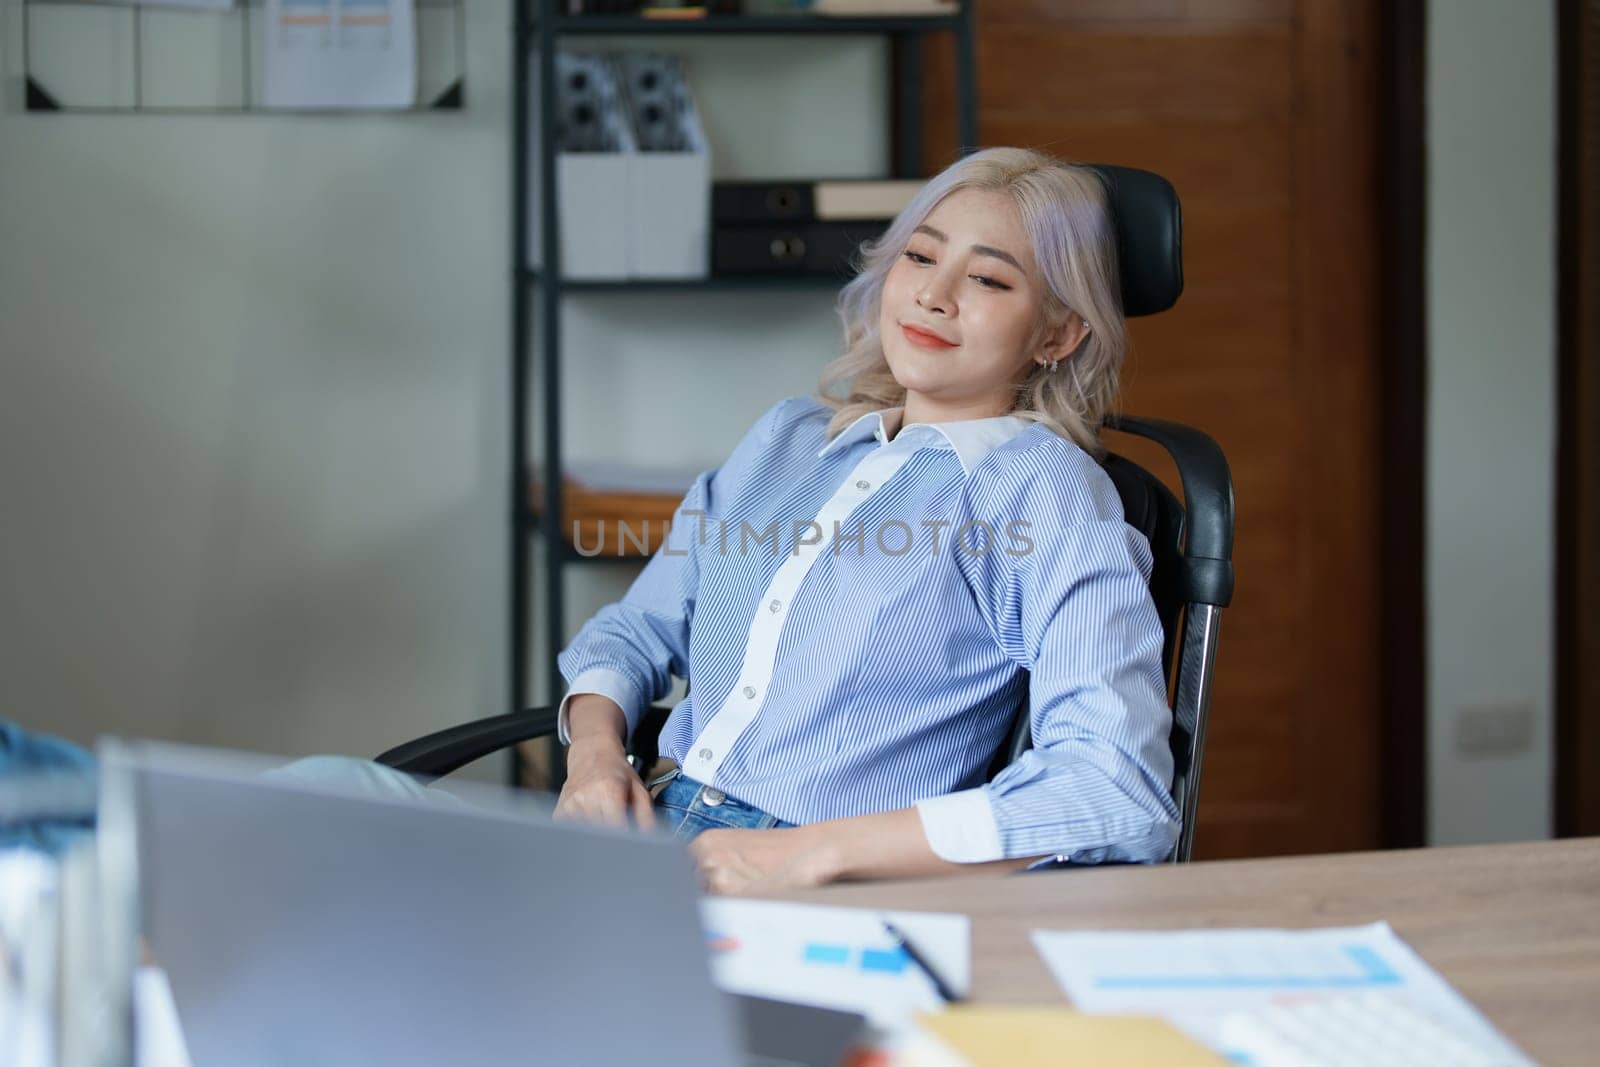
[
  {"x": 1202, "y": 979},
  {"x": 839, "y": 958},
  {"x": 323, "y": 54}
]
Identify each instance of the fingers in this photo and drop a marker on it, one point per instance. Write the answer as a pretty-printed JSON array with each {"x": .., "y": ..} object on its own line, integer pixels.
[
  {"x": 708, "y": 864},
  {"x": 644, "y": 812},
  {"x": 598, "y": 803}
]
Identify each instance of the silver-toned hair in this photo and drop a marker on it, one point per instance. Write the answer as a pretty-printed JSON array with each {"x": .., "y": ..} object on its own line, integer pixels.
[{"x": 1064, "y": 212}]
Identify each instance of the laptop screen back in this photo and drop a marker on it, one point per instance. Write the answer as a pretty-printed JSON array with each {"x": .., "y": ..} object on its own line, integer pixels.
[{"x": 309, "y": 927}]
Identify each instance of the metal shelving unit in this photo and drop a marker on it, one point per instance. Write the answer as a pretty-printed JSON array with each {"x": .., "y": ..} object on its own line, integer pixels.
[{"x": 536, "y": 31}]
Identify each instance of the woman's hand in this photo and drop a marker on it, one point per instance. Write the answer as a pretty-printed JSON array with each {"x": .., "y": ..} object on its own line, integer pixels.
[
  {"x": 602, "y": 787},
  {"x": 738, "y": 861}
]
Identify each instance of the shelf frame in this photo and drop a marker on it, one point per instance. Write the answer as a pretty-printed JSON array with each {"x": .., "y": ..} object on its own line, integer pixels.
[{"x": 538, "y": 294}]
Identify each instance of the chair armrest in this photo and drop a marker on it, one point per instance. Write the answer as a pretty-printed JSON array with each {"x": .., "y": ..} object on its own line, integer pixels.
[{"x": 442, "y": 752}]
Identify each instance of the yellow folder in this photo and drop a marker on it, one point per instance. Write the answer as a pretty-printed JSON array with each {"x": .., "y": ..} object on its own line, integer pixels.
[{"x": 999, "y": 1036}]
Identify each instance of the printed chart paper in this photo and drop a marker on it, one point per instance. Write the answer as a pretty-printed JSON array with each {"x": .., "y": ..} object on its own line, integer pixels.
[
  {"x": 340, "y": 54},
  {"x": 829, "y": 957},
  {"x": 1196, "y": 977}
]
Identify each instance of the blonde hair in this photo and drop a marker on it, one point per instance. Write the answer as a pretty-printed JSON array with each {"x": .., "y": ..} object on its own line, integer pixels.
[{"x": 1064, "y": 211}]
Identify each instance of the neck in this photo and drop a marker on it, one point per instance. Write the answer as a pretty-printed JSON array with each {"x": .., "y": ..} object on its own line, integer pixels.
[{"x": 915, "y": 411}]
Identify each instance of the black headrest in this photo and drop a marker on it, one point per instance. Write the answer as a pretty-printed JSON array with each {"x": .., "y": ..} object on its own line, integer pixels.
[{"x": 1149, "y": 237}]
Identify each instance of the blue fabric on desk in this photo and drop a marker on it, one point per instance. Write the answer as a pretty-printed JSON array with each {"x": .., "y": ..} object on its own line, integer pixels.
[{"x": 25, "y": 753}]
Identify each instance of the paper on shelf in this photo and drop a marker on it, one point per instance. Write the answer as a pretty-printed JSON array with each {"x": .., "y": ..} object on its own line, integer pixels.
[
  {"x": 1195, "y": 977},
  {"x": 834, "y": 957}
]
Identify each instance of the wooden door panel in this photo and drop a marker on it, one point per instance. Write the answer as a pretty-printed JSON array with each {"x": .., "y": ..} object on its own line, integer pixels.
[{"x": 1226, "y": 76}]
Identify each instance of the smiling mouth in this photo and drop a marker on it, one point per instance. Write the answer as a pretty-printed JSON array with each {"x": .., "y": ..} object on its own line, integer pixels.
[{"x": 924, "y": 339}]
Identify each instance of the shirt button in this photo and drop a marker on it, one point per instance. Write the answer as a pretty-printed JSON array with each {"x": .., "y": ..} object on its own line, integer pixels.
[
  {"x": 712, "y": 798},
  {"x": 705, "y": 753},
  {"x": 863, "y": 485},
  {"x": 776, "y": 605},
  {"x": 750, "y": 692}
]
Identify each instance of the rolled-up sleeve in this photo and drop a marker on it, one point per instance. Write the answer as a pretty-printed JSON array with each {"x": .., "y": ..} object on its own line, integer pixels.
[
  {"x": 1075, "y": 611},
  {"x": 630, "y": 650}
]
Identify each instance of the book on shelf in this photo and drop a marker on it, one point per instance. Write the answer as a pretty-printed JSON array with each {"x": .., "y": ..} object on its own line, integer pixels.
[
  {"x": 863, "y": 199},
  {"x": 616, "y": 509},
  {"x": 885, "y": 8},
  {"x": 811, "y": 200}
]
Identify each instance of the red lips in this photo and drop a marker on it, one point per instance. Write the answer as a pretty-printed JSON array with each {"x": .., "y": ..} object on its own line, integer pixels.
[{"x": 924, "y": 338}]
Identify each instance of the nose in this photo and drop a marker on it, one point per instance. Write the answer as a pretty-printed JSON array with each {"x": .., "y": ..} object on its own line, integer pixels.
[{"x": 934, "y": 297}]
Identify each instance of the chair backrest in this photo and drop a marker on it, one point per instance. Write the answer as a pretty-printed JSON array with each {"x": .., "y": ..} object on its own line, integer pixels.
[
  {"x": 1192, "y": 543},
  {"x": 1191, "y": 581}
]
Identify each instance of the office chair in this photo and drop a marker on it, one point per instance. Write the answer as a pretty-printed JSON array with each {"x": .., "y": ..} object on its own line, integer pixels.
[{"x": 1192, "y": 542}]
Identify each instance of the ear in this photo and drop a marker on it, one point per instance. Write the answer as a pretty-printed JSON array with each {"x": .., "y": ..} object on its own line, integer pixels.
[{"x": 1062, "y": 341}]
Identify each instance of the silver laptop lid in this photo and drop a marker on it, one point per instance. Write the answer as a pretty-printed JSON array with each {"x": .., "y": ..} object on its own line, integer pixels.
[{"x": 305, "y": 926}]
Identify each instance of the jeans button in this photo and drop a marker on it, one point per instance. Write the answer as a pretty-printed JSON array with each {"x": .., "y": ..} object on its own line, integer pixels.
[{"x": 712, "y": 798}]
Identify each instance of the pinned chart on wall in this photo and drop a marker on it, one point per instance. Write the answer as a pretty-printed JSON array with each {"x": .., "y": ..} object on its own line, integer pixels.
[
  {"x": 840, "y": 958},
  {"x": 340, "y": 54}
]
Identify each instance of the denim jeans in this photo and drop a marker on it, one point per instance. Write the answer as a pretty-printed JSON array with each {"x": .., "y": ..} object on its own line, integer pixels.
[{"x": 687, "y": 809}]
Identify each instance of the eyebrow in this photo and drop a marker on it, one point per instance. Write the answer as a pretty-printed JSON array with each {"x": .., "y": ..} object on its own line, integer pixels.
[{"x": 982, "y": 250}]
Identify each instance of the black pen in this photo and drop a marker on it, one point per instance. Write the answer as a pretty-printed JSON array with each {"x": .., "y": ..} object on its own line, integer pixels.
[{"x": 946, "y": 994}]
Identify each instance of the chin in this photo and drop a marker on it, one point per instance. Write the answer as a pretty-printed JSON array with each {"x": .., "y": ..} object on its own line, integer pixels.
[{"x": 908, "y": 371}]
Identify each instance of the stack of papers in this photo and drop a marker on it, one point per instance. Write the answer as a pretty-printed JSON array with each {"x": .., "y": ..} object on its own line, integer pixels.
[{"x": 29, "y": 910}]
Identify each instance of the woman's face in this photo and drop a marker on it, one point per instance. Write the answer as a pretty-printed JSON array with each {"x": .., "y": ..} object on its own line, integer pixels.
[{"x": 960, "y": 310}]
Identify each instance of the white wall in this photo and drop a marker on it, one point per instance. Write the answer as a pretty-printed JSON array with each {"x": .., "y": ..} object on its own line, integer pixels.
[
  {"x": 1491, "y": 416},
  {"x": 252, "y": 393}
]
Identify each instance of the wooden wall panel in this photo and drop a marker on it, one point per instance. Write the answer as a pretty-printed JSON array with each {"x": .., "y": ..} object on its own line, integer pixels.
[{"x": 1264, "y": 115}]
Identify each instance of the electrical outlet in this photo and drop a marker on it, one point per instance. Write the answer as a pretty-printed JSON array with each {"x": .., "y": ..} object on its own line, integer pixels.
[{"x": 1494, "y": 729}]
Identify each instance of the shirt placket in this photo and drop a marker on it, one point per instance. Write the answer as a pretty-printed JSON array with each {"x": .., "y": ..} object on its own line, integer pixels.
[{"x": 745, "y": 700}]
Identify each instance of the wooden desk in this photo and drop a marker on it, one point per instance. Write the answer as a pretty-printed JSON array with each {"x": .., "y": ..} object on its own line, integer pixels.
[{"x": 1515, "y": 928}]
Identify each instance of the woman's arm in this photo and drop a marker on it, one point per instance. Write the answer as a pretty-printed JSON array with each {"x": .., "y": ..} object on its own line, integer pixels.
[
  {"x": 630, "y": 650},
  {"x": 888, "y": 844}
]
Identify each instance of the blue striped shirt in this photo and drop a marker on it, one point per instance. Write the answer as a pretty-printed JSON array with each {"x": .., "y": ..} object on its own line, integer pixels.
[{"x": 863, "y": 617}]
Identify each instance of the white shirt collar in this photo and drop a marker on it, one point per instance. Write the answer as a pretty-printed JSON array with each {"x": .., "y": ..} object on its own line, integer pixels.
[{"x": 972, "y": 439}]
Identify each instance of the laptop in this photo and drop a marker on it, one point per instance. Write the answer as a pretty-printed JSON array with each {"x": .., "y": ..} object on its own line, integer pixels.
[{"x": 309, "y": 926}]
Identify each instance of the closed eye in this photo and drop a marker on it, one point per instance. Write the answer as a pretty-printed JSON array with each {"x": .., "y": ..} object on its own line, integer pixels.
[{"x": 982, "y": 279}]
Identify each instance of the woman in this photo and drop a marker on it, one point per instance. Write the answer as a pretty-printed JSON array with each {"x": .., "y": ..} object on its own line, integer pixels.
[{"x": 870, "y": 583}]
